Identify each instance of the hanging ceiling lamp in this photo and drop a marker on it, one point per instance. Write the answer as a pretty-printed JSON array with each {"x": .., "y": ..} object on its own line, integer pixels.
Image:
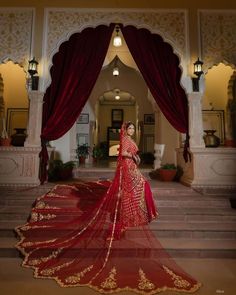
[
  {"x": 117, "y": 39},
  {"x": 115, "y": 71},
  {"x": 117, "y": 96}
]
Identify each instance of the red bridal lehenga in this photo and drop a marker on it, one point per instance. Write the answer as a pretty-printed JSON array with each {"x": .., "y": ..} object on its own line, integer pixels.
[{"x": 96, "y": 234}]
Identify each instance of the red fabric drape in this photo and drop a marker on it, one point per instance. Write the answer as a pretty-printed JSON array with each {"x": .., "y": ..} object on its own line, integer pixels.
[
  {"x": 160, "y": 69},
  {"x": 74, "y": 72}
]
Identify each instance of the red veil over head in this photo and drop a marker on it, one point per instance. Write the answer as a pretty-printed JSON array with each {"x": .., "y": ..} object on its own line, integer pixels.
[{"x": 94, "y": 234}]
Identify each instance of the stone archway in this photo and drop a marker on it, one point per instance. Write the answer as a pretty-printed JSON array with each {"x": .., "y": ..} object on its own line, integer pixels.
[
  {"x": 158, "y": 22},
  {"x": 163, "y": 41}
]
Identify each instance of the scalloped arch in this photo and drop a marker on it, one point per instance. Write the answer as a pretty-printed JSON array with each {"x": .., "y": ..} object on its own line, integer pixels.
[
  {"x": 69, "y": 36},
  {"x": 90, "y": 18}
]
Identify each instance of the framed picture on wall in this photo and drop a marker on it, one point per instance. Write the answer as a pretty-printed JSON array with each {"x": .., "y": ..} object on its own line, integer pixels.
[
  {"x": 214, "y": 120},
  {"x": 83, "y": 119},
  {"x": 117, "y": 117},
  {"x": 16, "y": 118},
  {"x": 149, "y": 119}
]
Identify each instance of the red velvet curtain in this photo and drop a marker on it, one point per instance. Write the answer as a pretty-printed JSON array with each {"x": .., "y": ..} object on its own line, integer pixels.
[
  {"x": 74, "y": 72},
  {"x": 160, "y": 69}
]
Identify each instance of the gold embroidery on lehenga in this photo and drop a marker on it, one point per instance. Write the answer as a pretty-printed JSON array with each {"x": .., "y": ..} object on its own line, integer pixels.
[
  {"x": 27, "y": 227},
  {"x": 39, "y": 217},
  {"x": 110, "y": 281},
  {"x": 34, "y": 262},
  {"x": 42, "y": 205},
  {"x": 52, "y": 270},
  {"x": 28, "y": 244},
  {"x": 76, "y": 277},
  {"x": 34, "y": 216},
  {"x": 144, "y": 283},
  {"x": 51, "y": 194},
  {"x": 178, "y": 281}
]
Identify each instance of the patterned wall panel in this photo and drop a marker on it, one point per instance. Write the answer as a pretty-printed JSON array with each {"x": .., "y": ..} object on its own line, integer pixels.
[
  {"x": 62, "y": 23},
  {"x": 218, "y": 37},
  {"x": 15, "y": 34}
]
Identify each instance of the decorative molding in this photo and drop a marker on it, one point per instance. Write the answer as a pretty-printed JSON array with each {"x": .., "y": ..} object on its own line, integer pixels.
[
  {"x": 218, "y": 37},
  {"x": 224, "y": 167},
  {"x": 16, "y": 34},
  {"x": 210, "y": 168},
  {"x": 20, "y": 149},
  {"x": 61, "y": 23},
  {"x": 19, "y": 166}
]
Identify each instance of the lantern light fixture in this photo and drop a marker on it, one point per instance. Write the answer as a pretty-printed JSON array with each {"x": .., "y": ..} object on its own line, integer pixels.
[
  {"x": 198, "y": 72},
  {"x": 32, "y": 70},
  {"x": 198, "y": 68},
  {"x": 33, "y": 67},
  {"x": 117, "y": 42}
]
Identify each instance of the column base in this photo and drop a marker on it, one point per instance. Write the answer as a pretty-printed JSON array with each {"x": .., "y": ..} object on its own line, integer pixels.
[
  {"x": 212, "y": 170},
  {"x": 19, "y": 166}
]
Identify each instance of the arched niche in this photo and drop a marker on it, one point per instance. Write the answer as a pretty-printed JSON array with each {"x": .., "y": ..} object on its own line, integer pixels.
[
  {"x": 215, "y": 100},
  {"x": 231, "y": 112},
  {"x": 14, "y": 96}
]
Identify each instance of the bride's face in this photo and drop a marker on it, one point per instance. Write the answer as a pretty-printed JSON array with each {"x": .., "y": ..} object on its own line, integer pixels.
[{"x": 130, "y": 130}]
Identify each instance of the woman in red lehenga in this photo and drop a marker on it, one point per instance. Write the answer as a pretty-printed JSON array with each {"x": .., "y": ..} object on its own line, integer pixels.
[{"x": 96, "y": 234}]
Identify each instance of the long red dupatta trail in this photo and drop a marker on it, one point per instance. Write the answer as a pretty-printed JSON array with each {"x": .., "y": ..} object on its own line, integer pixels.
[{"x": 96, "y": 234}]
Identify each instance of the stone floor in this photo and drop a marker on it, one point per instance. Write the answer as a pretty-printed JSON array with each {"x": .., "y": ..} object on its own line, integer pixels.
[
  {"x": 198, "y": 223},
  {"x": 218, "y": 276}
]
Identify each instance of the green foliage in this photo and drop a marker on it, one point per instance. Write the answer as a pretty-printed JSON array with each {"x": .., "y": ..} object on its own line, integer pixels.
[
  {"x": 169, "y": 166},
  {"x": 57, "y": 167},
  {"x": 82, "y": 150},
  {"x": 98, "y": 152}
]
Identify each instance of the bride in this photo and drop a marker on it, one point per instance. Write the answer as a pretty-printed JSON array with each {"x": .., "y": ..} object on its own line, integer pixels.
[{"x": 96, "y": 234}]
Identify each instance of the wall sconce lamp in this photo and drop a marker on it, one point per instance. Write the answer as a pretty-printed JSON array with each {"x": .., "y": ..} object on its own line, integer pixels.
[
  {"x": 115, "y": 71},
  {"x": 32, "y": 70},
  {"x": 198, "y": 72},
  {"x": 117, "y": 39}
]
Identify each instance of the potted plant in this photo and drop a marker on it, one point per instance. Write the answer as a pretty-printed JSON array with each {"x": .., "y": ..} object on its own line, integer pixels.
[
  {"x": 167, "y": 172},
  {"x": 60, "y": 171},
  {"x": 97, "y": 153},
  {"x": 82, "y": 152}
]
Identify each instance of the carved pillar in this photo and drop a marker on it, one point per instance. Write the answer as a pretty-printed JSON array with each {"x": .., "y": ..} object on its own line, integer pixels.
[
  {"x": 35, "y": 119},
  {"x": 195, "y": 120}
]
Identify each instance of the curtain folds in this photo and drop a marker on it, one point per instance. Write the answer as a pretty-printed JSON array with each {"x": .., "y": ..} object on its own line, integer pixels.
[
  {"x": 76, "y": 67},
  {"x": 74, "y": 72},
  {"x": 159, "y": 67}
]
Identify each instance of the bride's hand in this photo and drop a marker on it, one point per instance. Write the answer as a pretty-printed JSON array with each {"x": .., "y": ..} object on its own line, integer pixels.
[{"x": 136, "y": 159}]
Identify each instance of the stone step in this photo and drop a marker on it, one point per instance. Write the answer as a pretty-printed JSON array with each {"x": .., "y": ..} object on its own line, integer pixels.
[
  {"x": 181, "y": 247},
  {"x": 166, "y": 214},
  {"x": 162, "y": 210},
  {"x": 162, "y": 202},
  {"x": 223, "y": 230}
]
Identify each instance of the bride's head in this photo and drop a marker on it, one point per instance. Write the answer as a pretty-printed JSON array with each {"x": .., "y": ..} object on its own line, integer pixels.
[{"x": 129, "y": 128}]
